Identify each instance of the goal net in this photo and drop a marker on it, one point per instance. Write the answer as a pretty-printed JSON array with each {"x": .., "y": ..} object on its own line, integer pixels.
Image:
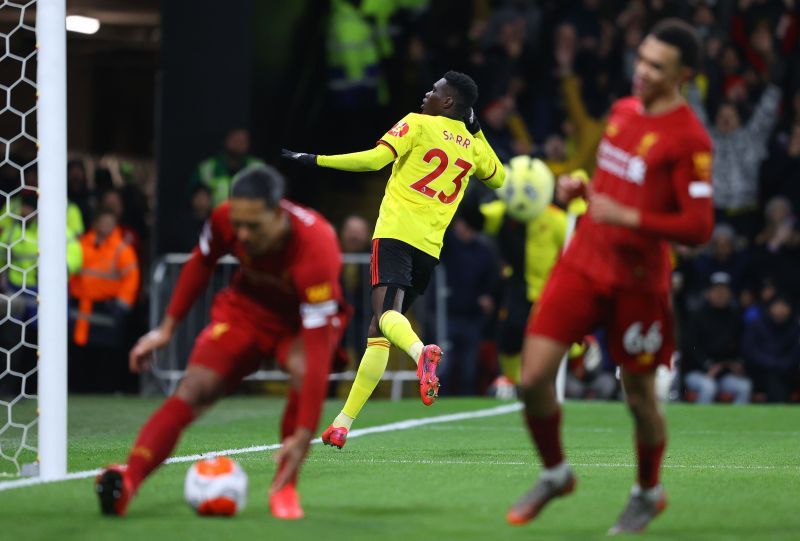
[
  {"x": 18, "y": 246},
  {"x": 29, "y": 229}
]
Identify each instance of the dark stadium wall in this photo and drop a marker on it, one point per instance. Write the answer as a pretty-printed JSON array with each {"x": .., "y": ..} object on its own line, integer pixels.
[{"x": 205, "y": 88}]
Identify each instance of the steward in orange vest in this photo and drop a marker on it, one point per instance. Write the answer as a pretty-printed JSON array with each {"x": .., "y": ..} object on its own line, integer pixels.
[{"x": 107, "y": 285}]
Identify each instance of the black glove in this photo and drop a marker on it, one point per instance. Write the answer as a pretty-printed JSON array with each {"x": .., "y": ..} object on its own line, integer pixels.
[
  {"x": 309, "y": 160},
  {"x": 471, "y": 120}
]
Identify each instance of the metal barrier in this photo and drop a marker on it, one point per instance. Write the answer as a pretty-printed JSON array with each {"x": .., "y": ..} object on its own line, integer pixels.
[{"x": 429, "y": 311}]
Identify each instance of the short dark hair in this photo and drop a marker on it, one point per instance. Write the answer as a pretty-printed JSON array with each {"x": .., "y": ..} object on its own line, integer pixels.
[
  {"x": 681, "y": 35},
  {"x": 466, "y": 89},
  {"x": 259, "y": 182},
  {"x": 104, "y": 211}
]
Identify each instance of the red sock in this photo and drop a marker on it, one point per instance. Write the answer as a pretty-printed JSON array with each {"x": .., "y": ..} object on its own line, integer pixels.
[
  {"x": 546, "y": 432},
  {"x": 649, "y": 463},
  {"x": 157, "y": 438},
  {"x": 289, "y": 422}
]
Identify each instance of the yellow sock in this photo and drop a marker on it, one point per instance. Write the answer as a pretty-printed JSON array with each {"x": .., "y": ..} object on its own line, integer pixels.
[
  {"x": 511, "y": 366},
  {"x": 396, "y": 328},
  {"x": 372, "y": 367}
]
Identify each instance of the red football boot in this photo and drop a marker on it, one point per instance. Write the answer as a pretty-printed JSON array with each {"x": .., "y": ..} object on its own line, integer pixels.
[
  {"x": 335, "y": 436},
  {"x": 426, "y": 372},
  {"x": 285, "y": 504},
  {"x": 114, "y": 490}
]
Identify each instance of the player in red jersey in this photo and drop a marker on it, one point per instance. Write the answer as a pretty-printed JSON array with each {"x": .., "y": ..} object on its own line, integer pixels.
[
  {"x": 284, "y": 300},
  {"x": 651, "y": 187}
]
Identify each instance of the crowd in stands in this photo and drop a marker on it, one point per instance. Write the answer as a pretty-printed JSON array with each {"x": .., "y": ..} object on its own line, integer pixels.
[{"x": 548, "y": 72}]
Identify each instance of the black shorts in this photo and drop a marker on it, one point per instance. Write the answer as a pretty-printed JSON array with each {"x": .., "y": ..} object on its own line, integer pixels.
[{"x": 397, "y": 263}]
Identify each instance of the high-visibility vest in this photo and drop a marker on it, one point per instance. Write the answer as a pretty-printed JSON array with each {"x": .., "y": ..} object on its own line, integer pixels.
[
  {"x": 110, "y": 272},
  {"x": 353, "y": 52},
  {"x": 23, "y": 243},
  {"x": 217, "y": 177}
]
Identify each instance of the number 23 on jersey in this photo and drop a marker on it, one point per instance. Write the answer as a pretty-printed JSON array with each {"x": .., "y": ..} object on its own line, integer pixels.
[{"x": 443, "y": 161}]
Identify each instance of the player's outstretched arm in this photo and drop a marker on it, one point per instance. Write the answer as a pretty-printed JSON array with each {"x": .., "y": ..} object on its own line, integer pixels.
[
  {"x": 368, "y": 160},
  {"x": 374, "y": 159}
]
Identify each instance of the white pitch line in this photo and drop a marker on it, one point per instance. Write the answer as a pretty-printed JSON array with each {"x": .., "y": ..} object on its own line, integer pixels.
[
  {"x": 391, "y": 427},
  {"x": 535, "y": 464}
]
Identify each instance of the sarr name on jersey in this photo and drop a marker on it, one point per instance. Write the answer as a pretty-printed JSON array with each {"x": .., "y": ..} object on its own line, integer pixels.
[{"x": 456, "y": 138}]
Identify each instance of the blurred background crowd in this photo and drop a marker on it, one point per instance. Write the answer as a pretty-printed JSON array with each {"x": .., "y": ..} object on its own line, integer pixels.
[{"x": 548, "y": 72}]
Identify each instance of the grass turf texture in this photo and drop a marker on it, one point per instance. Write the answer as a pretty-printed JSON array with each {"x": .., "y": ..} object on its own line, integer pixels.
[{"x": 731, "y": 473}]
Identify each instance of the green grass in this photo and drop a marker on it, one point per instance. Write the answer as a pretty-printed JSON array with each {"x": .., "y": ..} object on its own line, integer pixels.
[{"x": 731, "y": 473}]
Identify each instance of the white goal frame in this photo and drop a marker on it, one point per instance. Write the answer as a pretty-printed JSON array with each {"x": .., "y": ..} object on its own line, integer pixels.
[{"x": 51, "y": 83}]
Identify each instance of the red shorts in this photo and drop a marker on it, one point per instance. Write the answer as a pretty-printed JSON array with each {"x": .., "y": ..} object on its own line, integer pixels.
[
  {"x": 241, "y": 334},
  {"x": 638, "y": 323}
]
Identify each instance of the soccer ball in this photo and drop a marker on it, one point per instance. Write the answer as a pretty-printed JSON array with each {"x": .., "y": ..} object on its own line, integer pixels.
[
  {"x": 216, "y": 486},
  {"x": 528, "y": 188}
]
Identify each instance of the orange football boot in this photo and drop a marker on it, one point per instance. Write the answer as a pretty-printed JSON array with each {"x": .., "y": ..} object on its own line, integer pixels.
[
  {"x": 426, "y": 372},
  {"x": 285, "y": 504},
  {"x": 335, "y": 436}
]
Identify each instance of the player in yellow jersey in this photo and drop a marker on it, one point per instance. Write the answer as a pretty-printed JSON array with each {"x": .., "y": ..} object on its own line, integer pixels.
[{"x": 435, "y": 154}]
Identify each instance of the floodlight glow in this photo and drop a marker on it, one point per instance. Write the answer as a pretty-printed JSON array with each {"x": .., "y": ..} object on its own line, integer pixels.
[{"x": 83, "y": 25}]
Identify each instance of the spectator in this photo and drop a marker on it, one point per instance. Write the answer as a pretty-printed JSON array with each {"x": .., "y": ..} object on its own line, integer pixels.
[
  {"x": 738, "y": 153},
  {"x": 503, "y": 125},
  {"x": 217, "y": 172},
  {"x": 101, "y": 297},
  {"x": 587, "y": 129},
  {"x": 712, "y": 363},
  {"x": 721, "y": 255},
  {"x": 22, "y": 238},
  {"x": 78, "y": 192},
  {"x": 355, "y": 237},
  {"x": 782, "y": 171},
  {"x": 186, "y": 232},
  {"x": 470, "y": 267},
  {"x": 771, "y": 347},
  {"x": 112, "y": 201},
  {"x": 776, "y": 255},
  {"x": 19, "y": 282}
]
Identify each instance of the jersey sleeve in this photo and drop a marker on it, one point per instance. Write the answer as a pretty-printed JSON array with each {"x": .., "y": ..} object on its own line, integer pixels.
[
  {"x": 373, "y": 159},
  {"x": 316, "y": 280},
  {"x": 197, "y": 271},
  {"x": 400, "y": 137},
  {"x": 691, "y": 182},
  {"x": 489, "y": 168}
]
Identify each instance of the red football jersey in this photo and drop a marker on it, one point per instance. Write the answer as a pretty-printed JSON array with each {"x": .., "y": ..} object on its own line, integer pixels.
[
  {"x": 304, "y": 272},
  {"x": 661, "y": 165}
]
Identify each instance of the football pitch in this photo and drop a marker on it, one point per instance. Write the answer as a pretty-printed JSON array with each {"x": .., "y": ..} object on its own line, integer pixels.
[{"x": 730, "y": 472}]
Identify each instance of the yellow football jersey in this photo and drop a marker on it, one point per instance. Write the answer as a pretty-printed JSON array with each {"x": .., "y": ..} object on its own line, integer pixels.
[{"x": 435, "y": 158}]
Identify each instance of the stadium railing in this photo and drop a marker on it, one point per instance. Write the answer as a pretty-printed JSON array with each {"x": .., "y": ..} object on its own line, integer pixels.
[{"x": 430, "y": 312}]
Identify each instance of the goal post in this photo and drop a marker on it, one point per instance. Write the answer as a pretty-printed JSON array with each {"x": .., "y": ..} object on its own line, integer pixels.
[{"x": 51, "y": 82}]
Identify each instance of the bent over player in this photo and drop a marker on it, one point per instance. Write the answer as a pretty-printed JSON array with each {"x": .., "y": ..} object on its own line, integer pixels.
[
  {"x": 284, "y": 300},
  {"x": 651, "y": 186},
  {"x": 434, "y": 153}
]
